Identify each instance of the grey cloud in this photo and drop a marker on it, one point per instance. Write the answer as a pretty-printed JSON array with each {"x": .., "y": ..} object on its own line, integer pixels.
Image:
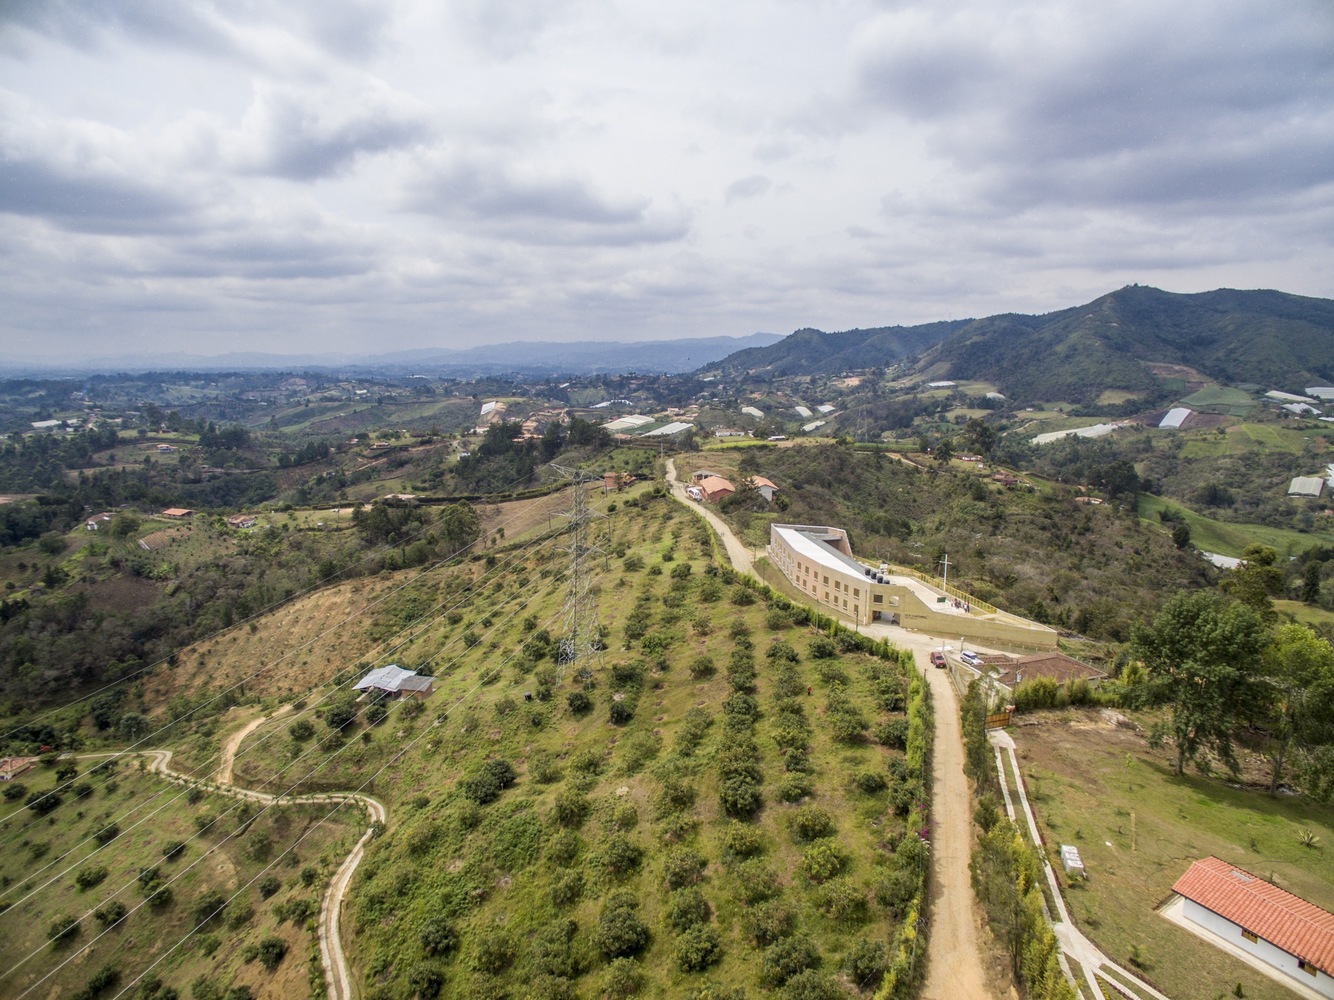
[
  {"x": 748, "y": 187},
  {"x": 536, "y": 209},
  {"x": 309, "y": 136},
  {"x": 85, "y": 200},
  {"x": 1148, "y": 105},
  {"x": 350, "y": 28}
]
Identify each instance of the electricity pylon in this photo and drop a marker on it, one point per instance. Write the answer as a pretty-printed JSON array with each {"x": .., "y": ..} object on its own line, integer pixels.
[{"x": 580, "y": 644}]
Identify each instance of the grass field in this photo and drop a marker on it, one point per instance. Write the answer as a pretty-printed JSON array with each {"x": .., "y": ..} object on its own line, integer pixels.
[
  {"x": 151, "y": 814},
  {"x": 1240, "y": 439},
  {"x": 1229, "y": 539},
  {"x": 1219, "y": 396},
  {"x": 1138, "y": 827},
  {"x": 1305, "y": 613}
]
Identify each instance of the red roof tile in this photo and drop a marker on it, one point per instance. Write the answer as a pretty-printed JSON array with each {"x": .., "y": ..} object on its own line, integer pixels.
[{"x": 1284, "y": 920}]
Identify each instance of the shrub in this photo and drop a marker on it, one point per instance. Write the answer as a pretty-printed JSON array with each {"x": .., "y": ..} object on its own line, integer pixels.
[
  {"x": 698, "y": 948},
  {"x": 623, "y": 979},
  {"x": 893, "y": 734},
  {"x": 570, "y": 808},
  {"x": 208, "y": 907},
  {"x": 811, "y": 985},
  {"x": 794, "y": 787},
  {"x": 685, "y": 908},
  {"x": 870, "y": 782},
  {"x": 62, "y": 930},
  {"x": 769, "y": 921},
  {"x": 301, "y": 730},
  {"x": 567, "y": 889},
  {"x": 740, "y": 797},
  {"x": 841, "y": 900},
  {"x": 90, "y": 876},
  {"x": 103, "y": 979},
  {"x": 620, "y": 932},
  {"x": 438, "y": 937},
  {"x": 776, "y": 619},
  {"x": 553, "y": 952},
  {"x": 784, "y": 959},
  {"x": 822, "y": 861},
  {"x": 620, "y": 712},
  {"x": 621, "y": 855},
  {"x": 823, "y": 648},
  {"x": 271, "y": 952},
  {"x": 425, "y": 982},
  {"x": 755, "y": 881},
  {"x": 811, "y": 823},
  {"x": 42, "y": 802},
  {"x": 865, "y": 963},
  {"x": 626, "y": 816},
  {"x": 494, "y": 952},
  {"x": 579, "y": 703},
  {"x": 683, "y": 867},
  {"x": 173, "y": 849},
  {"x": 15, "y": 790},
  {"x": 563, "y": 847},
  {"x": 702, "y": 666},
  {"x": 270, "y": 885},
  {"x": 109, "y": 914},
  {"x": 741, "y": 841},
  {"x": 487, "y": 782}
]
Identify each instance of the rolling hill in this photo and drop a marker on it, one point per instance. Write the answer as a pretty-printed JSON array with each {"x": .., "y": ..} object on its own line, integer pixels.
[{"x": 1268, "y": 337}]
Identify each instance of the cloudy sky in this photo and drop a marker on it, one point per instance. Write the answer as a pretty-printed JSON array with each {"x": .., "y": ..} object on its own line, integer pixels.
[{"x": 353, "y": 175}]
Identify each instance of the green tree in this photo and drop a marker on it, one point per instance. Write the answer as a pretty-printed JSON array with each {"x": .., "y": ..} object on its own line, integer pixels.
[
  {"x": 944, "y": 451},
  {"x": 979, "y": 435},
  {"x": 1311, "y": 582},
  {"x": 1297, "y": 671},
  {"x": 1256, "y": 580},
  {"x": 1199, "y": 651}
]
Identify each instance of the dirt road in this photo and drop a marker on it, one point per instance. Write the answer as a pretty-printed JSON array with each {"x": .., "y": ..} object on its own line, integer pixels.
[
  {"x": 224, "y": 776},
  {"x": 337, "y": 976},
  {"x": 954, "y": 964}
]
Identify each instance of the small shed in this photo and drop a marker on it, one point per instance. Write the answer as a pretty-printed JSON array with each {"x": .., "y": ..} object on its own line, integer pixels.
[
  {"x": 395, "y": 682},
  {"x": 1071, "y": 861}
]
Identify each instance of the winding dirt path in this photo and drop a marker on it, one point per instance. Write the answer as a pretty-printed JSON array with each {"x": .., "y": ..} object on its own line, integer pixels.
[
  {"x": 224, "y": 775},
  {"x": 337, "y": 975},
  {"x": 954, "y": 964}
]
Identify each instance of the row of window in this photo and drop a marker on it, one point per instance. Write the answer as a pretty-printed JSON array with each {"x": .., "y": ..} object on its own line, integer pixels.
[{"x": 1302, "y": 963}]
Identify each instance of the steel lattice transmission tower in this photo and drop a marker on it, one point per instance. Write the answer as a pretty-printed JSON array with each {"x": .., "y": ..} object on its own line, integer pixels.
[{"x": 580, "y": 644}]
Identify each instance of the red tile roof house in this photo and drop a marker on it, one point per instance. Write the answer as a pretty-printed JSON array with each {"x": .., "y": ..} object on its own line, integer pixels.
[
  {"x": 1292, "y": 937},
  {"x": 715, "y": 488}
]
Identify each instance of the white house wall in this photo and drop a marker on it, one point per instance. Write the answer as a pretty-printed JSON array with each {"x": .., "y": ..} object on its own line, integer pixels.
[{"x": 1272, "y": 956}]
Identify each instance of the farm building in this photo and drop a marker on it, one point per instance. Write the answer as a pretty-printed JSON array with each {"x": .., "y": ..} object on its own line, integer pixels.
[
  {"x": 395, "y": 682},
  {"x": 751, "y": 411},
  {"x": 1306, "y": 486},
  {"x": 12, "y": 767},
  {"x": 1239, "y": 911},
  {"x": 803, "y": 411},
  {"x": 715, "y": 488},
  {"x": 765, "y": 487},
  {"x": 1175, "y": 417},
  {"x": 98, "y": 521},
  {"x": 241, "y": 521},
  {"x": 178, "y": 513}
]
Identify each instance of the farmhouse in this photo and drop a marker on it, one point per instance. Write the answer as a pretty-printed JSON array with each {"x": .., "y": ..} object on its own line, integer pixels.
[
  {"x": 12, "y": 767},
  {"x": 715, "y": 488},
  {"x": 1054, "y": 666},
  {"x": 1239, "y": 911},
  {"x": 395, "y": 682},
  {"x": 98, "y": 521},
  {"x": 178, "y": 513},
  {"x": 241, "y": 521},
  {"x": 765, "y": 487}
]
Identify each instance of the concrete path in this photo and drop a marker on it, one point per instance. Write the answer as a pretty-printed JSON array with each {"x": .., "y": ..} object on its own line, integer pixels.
[
  {"x": 1072, "y": 940},
  {"x": 737, "y": 553}
]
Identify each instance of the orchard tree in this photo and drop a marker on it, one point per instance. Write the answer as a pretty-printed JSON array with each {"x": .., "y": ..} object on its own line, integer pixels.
[{"x": 1201, "y": 652}]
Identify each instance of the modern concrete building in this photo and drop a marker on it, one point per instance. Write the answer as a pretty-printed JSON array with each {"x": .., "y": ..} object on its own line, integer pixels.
[
  {"x": 1292, "y": 937},
  {"x": 817, "y": 561}
]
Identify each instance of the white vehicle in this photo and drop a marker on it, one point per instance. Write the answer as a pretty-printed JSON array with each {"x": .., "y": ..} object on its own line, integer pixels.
[{"x": 694, "y": 493}]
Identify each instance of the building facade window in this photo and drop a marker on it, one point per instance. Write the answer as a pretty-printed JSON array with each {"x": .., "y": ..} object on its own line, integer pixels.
[{"x": 1249, "y": 936}]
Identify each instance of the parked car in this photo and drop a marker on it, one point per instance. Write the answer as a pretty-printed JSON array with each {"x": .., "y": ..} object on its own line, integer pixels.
[
  {"x": 694, "y": 493},
  {"x": 937, "y": 659}
]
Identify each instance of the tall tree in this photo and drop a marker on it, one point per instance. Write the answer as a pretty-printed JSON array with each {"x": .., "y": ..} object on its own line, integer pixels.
[
  {"x": 1298, "y": 675},
  {"x": 1201, "y": 651},
  {"x": 1256, "y": 580}
]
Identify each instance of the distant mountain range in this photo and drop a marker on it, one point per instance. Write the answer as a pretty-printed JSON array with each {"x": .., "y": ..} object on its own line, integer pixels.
[
  {"x": 1272, "y": 338},
  {"x": 521, "y": 357}
]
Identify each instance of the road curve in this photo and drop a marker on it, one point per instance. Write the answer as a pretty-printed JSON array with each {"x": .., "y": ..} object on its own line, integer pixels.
[{"x": 337, "y": 975}]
